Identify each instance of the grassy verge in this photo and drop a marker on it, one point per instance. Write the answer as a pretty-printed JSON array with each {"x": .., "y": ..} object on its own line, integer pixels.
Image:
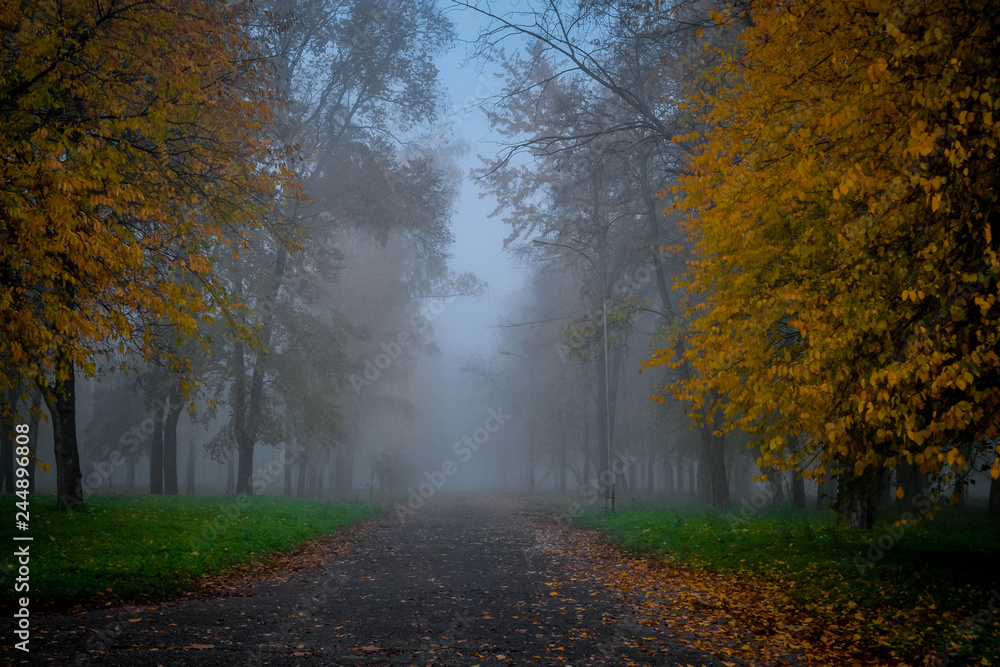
[
  {"x": 908, "y": 590},
  {"x": 150, "y": 547}
]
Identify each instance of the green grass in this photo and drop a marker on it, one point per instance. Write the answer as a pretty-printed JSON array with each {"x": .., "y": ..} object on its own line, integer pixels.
[
  {"x": 139, "y": 547},
  {"x": 935, "y": 575}
]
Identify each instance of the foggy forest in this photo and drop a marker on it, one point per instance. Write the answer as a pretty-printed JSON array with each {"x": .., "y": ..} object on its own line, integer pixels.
[{"x": 473, "y": 332}]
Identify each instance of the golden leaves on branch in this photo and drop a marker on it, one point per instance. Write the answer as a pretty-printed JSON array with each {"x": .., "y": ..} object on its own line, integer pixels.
[
  {"x": 134, "y": 146},
  {"x": 841, "y": 210}
]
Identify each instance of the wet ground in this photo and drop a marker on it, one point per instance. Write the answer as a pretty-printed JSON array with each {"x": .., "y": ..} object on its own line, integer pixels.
[{"x": 483, "y": 582}]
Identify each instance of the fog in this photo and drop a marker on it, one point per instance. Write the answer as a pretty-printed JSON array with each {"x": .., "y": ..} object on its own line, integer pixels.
[{"x": 417, "y": 327}]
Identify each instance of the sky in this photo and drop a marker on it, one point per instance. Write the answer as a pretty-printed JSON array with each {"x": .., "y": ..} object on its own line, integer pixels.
[
  {"x": 478, "y": 238},
  {"x": 466, "y": 327}
]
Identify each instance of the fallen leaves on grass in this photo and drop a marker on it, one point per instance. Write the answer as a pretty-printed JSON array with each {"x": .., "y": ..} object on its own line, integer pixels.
[
  {"x": 738, "y": 619},
  {"x": 310, "y": 555}
]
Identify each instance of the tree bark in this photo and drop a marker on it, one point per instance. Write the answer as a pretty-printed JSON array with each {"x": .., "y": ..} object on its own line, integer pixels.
[
  {"x": 563, "y": 445},
  {"x": 34, "y": 416},
  {"x": 650, "y": 469},
  {"x": 826, "y": 492},
  {"x": 156, "y": 456},
  {"x": 603, "y": 425},
  {"x": 288, "y": 474},
  {"x": 231, "y": 473},
  {"x": 300, "y": 486},
  {"x": 172, "y": 413},
  {"x": 189, "y": 485},
  {"x": 715, "y": 454},
  {"x": 7, "y": 447},
  {"x": 914, "y": 484},
  {"x": 858, "y": 498},
  {"x": 62, "y": 406},
  {"x": 798, "y": 491},
  {"x": 130, "y": 461}
]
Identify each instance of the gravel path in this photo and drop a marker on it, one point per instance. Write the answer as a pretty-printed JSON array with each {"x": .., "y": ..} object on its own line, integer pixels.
[{"x": 481, "y": 582}]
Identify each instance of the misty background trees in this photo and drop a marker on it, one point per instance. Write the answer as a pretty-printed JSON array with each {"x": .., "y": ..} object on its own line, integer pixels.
[{"x": 253, "y": 344}]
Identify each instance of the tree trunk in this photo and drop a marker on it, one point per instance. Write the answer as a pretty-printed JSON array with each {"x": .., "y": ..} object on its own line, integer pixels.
[
  {"x": 914, "y": 484},
  {"x": 34, "y": 416},
  {"x": 826, "y": 492},
  {"x": 714, "y": 447},
  {"x": 704, "y": 479},
  {"x": 156, "y": 456},
  {"x": 7, "y": 447},
  {"x": 774, "y": 478},
  {"x": 231, "y": 473},
  {"x": 300, "y": 487},
  {"x": 858, "y": 498},
  {"x": 189, "y": 478},
  {"x": 130, "y": 461},
  {"x": 288, "y": 474},
  {"x": 563, "y": 445},
  {"x": 347, "y": 474},
  {"x": 62, "y": 406},
  {"x": 586, "y": 442},
  {"x": 249, "y": 414},
  {"x": 172, "y": 413},
  {"x": 798, "y": 491}
]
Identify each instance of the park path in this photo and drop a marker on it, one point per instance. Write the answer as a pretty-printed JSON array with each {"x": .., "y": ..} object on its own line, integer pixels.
[{"x": 459, "y": 582}]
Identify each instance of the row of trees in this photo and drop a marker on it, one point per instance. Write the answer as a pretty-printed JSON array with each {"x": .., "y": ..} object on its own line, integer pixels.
[
  {"x": 185, "y": 183},
  {"x": 798, "y": 198}
]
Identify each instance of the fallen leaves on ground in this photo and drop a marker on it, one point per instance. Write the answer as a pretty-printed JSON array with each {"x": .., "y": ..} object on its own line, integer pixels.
[
  {"x": 738, "y": 619},
  {"x": 309, "y": 555}
]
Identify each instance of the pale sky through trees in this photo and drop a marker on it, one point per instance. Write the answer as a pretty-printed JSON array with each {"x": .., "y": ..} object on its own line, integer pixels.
[{"x": 466, "y": 327}]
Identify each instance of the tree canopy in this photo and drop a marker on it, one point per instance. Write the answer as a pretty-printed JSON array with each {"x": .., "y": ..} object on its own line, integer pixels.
[
  {"x": 132, "y": 144},
  {"x": 841, "y": 201}
]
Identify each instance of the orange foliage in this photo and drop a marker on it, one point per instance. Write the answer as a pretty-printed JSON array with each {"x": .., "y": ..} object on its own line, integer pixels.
[
  {"x": 842, "y": 203},
  {"x": 132, "y": 143}
]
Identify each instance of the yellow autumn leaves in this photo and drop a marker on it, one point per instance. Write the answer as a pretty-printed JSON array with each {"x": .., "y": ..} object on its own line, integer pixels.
[
  {"x": 840, "y": 207},
  {"x": 132, "y": 148}
]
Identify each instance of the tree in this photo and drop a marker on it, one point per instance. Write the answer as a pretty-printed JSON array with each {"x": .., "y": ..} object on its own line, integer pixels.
[
  {"x": 845, "y": 277},
  {"x": 132, "y": 142},
  {"x": 609, "y": 77},
  {"x": 361, "y": 80}
]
